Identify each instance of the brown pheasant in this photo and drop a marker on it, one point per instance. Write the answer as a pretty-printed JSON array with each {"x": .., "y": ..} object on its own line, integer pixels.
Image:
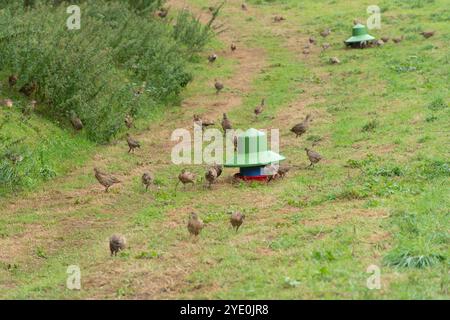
[
  {"x": 195, "y": 224},
  {"x": 147, "y": 179},
  {"x": 211, "y": 176},
  {"x": 204, "y": 123},
  {"x": 186, "y": 177},
  {"x": 301, "y": 127},
  {"x": 212, "y": 58},
  {"x": 12, "y": 80},
  {"x": 162, "y": 13},
  {"x": 398, "y": 39},
  {"x": 128, "y": 121},
  {"x": 236, "y": 220},
  {"x": 7, "y": 103},
  {"x": 259, "y": 109},
  {"x": 117, "y": 243},
  {"x": 226, "y": 123},
  {"x": 427, "y": 34},
  {"x": 233, "y": 47},
  {"x": 28, "y": 89},
  {"x": 132, "y": 143},
  {"x": 385, "y": 39},
  {"x": 278, "y": 18},
  {"x": 218, "y": 85},
  {"x": 313, "y": 157},
  {"x": 325, "y": 33},
  {"x": 325, "y": 46},
  {"x": 219, "y": 169},
  {"x": 105, "y": 179},
  {"x": 335, "y": 60},
  {"x": 76, "y": 122}
]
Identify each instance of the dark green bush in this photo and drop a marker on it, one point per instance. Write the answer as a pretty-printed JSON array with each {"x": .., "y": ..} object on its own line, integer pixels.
[{"x": 94, "y": 71}]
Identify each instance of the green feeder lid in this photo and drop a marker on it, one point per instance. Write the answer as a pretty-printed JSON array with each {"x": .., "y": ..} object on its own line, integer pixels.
[
  {"x": 359, "y": 34},
  {"x": 252, "y": 151}
]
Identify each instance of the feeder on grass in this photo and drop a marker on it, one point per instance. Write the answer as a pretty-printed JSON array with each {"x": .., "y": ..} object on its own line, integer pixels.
[
  {"x": 252, "y": 156},
  {"x": 360, "y": 38}
]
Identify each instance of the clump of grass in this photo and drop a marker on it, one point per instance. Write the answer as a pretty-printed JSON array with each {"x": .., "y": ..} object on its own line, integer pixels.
[
  {"x": 437, "y": 104},
  {"x": 147, "y": 255},
  {"x": 290, "y": 283},
  {"x": 314, "y": 138},
  {"x": 40, "y": 252},
  {"x": 434, "y": 168},
  {"x": 407, "y": 259},
  {"x": 370, "y": 126}
]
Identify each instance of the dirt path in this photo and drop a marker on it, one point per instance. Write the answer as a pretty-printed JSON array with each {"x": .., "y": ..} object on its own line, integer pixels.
[
  {"x": 79, "y": 216},
  {"x": 61, "y": 203}
]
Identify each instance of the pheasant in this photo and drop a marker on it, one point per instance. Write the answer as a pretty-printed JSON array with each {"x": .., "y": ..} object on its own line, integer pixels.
[
  {"x": 278, "y": 18},
  {"x": 427, "y": 34},
  {"x": 219, "y": 169},
  {"x": 312, "y": 40},
  {"x": 385, "y": 39},
  {"x": 226, "y": 123},
  {"x": 128, "y": 121},
  {"x": 259, "y": 109},
  {"x": 28, "y": 109},
  {"x": 313, "y": 157},
  {"x": 325, "y": 46},
  {"x": 398, "y": 40},
  {"x": 76, "y": 122},
  {"x": 162, "y": 13},
  {"x": 236, "y": 220},
  {"x": 379, "y": 42},
  {"x": 132, "y": 143},
  {"x": 28, "y": 89},
  {"x": 212, "y": 58},
  {"x": 105, "y": 179},
  {"x": 233, "y": 47},
  {"x": 244, "y": 7},
  {"x": 325, "y": 33},
  {"x": 211, "y": 176},
  {"x": 218, "y": 85},
  {"x": 7, "y": 103},
  {"x": 195, "y": 224},
  {"x": 282, "y": 171},
  {"x": 305, "y": 52},
  {"x": 186, "y": 177},
  {"x": 117, "y": 243},
  {"x": 202, "y": 123},
  {"x": 147, "y": 179},
  {"x": 141, "y": 89},
  {"x": 301, "y": 127},
  {"x": 335, "y": 60},
  {"x": 12, "y": 80}
]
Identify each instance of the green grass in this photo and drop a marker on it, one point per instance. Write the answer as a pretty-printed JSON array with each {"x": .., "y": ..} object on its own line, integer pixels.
[{"x": 379, "y": 197}]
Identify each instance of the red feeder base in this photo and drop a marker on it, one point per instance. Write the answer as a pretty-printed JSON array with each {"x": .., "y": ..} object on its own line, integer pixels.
[{"x": 252, "y": 178}]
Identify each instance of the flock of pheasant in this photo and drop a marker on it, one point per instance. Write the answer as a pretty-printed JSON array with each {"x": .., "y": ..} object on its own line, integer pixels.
[{"x": 213, "y": 172}]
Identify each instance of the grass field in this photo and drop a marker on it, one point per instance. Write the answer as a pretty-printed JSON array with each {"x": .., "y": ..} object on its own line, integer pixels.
[{"x": 380, "y": 196}]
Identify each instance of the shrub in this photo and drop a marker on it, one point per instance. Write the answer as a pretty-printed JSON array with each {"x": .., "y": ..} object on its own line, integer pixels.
[{"x": 93, "y": 71}]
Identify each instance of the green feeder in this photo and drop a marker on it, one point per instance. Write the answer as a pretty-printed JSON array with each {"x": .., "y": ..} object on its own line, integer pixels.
[
  {"x": 252, "y": 156},
  {"x": 359, "y": 36}
]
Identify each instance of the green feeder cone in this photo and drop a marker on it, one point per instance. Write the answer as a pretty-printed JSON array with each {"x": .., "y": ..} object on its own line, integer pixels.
[
  {"x": 252, "y": 151},
  {"x": 359, "y": 34}
]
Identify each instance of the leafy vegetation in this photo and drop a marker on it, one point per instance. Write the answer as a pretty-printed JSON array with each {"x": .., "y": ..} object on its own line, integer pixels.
[{"x": 94, "y": 73}]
